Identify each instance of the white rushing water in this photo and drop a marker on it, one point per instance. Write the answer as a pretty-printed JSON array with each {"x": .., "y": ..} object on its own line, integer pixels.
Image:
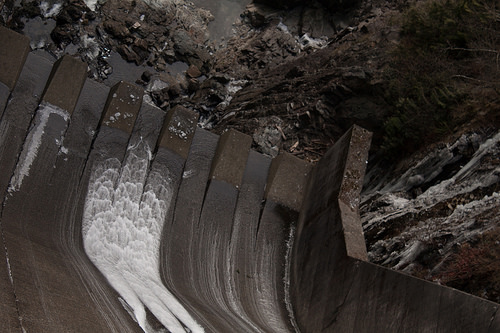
[{"x": 122, "y": 227}]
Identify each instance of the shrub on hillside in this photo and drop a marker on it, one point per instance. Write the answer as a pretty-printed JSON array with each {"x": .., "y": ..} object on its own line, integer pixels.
[
  {"x": 475, "y": 267},
  {"x": 448, "y": 49}
]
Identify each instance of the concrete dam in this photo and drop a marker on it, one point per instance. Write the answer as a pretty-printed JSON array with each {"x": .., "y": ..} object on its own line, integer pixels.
[{"x": 119, "y": 217}]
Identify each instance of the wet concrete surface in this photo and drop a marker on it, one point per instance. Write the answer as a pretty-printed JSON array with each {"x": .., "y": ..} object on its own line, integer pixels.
[
  {"x": 68, "y": 76},
  {"x": 178, "y": 132},
  {"x": 242, "y": 256},
  {"x": 17, "y": 116},
  {"x": 8, "y": 309},
  {"x": 4, "y": 97},
  {"x": 176, "y": 268},
  {"x": 12, "y": 58},
  {"x": 35, "y": 216}
]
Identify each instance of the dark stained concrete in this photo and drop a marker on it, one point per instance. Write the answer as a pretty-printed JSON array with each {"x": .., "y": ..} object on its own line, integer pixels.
[
  {"x": 231, "y": 157},
  {"x": 4, "y": 97},
  {"x": 122, "y": 106},
  {"x": 12, "y": 60},
  {"x": 287, "y": 178},
  {"x": 13, "y": 53},
  {"x": 209, "y": 260},
  {"x": 242, "y": 254},
  {"x": 49, "y": 292},
  {"x": 17, "y": 116},
  {"x": 170, "y": 160},
  {"x": 176, "y": 267},
  {"x": 178, "y": 131},
  {"x": 9, "y": 318},
  {"x": 174, "y": 142},
  {"x": 68, "y": 75},
  {"x": 237, "y": 245},
  {"x": 287, "y": 181}
]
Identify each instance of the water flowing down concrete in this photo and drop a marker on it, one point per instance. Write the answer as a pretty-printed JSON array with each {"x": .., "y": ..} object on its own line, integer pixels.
[
  {"x": 122, "y": 225},
  {"x": 119, "y": 217}
]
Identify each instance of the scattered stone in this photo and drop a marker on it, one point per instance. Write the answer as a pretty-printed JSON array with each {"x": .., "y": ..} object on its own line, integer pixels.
[
  {"x": 63, "y": 34},
  {"x": 128, "y": 54},
  {"x": 268, "y": 138},
  {"x": 193, "y": 85},
  {"x": 193, "y": 72},
  {"x": 135, "y": 26},
  {"x": 364, "y": 29},
  {"x": 294, "y": 73},
  {"x": 221, "y": 78},
  {"x": 146, "y": 76},
  {"x": 256, "y": 15},
  {"x": 169, "y": 56},
  {"x": 90, "y": 15},
  {"x": 161, "y": 98},
  {"x": 188, "y": 51},
  {"x": 116, "y": 29}
]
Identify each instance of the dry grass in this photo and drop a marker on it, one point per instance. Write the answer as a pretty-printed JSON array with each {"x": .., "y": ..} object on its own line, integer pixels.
[{"x": 475, "y": 267}]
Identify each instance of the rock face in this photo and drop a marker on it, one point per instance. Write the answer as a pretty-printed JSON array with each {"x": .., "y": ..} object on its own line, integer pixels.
[{"x": 441, "y": 214}]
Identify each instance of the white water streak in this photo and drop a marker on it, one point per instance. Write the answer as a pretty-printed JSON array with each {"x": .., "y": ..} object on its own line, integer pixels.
[
  {"x": 266, "y": 293},
  {"x": 235, "y": 302},
  {"x": 33, "y": 142},
  {"x": 122, "y": 227},
  {"x": 286, "y": 279},
  {"x": 50, "y": 10}
]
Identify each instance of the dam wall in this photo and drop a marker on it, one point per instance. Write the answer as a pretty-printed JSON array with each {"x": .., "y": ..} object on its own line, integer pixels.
[
  {"x": 336, "y": 289},
  {"x": 119, "y": 217}
]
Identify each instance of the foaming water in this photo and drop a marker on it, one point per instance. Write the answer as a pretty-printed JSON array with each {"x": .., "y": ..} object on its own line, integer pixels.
[{"x": 122, "y": 225}]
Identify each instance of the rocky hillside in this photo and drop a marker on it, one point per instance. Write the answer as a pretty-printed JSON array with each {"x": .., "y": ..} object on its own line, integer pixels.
[{"x": 422, "y": 75}]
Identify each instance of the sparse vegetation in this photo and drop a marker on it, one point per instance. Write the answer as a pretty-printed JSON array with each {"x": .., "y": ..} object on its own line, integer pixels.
[
  {"x": 444, "y": 71},
  {"x": 475, "y": 267}
]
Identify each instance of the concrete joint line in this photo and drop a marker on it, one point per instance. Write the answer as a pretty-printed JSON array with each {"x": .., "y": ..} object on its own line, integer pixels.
[
  {"x": 339, "y": 307},
  {"x": 492, "y": 320},
  {"x": 9, "y": 269},
  {"x": 286, "y": 279}
]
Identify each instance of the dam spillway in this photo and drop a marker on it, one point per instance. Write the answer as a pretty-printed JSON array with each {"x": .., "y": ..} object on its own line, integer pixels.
[{"x": 119, "y": 217}]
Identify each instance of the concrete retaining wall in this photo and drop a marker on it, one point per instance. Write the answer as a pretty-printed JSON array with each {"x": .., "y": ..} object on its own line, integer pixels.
[{"x": 335, "y": 289}]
